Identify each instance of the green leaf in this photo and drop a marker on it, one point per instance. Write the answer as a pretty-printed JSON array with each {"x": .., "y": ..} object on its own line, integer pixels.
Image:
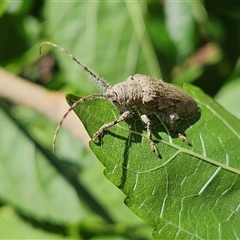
[
  {"x": 181, "y": 26},
  {"x": 193, "y": 191},
  {"x": 229, "y": 97},
  {"x": 22, "y": 229},
  {"x": 120, "y": 47},
  {"x": 37, "y": 183}
]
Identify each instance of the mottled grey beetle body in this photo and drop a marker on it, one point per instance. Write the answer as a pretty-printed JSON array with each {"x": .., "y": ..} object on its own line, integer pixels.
[
  {"x": 149, "y": 94},
  {"x": 141, "y": 93}
]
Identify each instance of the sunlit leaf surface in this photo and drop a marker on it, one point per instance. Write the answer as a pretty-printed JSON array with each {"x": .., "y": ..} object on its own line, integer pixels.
[{"x": 192, "y": 191}]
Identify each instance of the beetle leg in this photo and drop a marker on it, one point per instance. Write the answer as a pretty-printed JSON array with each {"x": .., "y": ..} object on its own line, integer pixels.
[
  {"x": 147, "y": 121},
  {"x": 173, "y": 118},
  {"x": 104, "y": 127}
]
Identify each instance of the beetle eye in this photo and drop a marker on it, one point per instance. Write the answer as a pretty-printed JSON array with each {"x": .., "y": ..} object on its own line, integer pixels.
[{"x": 114, "y": 97}]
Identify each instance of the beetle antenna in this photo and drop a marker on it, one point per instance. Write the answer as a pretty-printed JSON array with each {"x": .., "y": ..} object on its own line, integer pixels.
[
  {"x": 100, "y": 80},
  {"x": 75, "y": 104}
]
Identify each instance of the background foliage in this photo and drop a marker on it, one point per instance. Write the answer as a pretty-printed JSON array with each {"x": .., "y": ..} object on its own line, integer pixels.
[{"x": 66, "y": 196}]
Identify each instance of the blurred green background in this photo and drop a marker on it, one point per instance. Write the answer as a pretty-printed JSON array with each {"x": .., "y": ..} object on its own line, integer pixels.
[{"x": 66, "y": 196}]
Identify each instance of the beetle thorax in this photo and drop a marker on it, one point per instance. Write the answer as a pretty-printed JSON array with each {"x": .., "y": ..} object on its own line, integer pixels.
[{"x": 125, "y": 95}]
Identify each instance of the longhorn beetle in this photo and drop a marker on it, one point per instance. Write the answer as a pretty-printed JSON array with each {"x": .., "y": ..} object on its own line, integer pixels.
[{"x": 143, "y": 93}]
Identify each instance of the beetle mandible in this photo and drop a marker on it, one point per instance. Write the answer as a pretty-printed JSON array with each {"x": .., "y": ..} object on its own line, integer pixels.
[{"x": 143, "y": 93}]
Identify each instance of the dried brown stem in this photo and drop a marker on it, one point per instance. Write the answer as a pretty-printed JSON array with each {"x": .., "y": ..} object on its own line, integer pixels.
[{"x": 49, "y": 103}]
